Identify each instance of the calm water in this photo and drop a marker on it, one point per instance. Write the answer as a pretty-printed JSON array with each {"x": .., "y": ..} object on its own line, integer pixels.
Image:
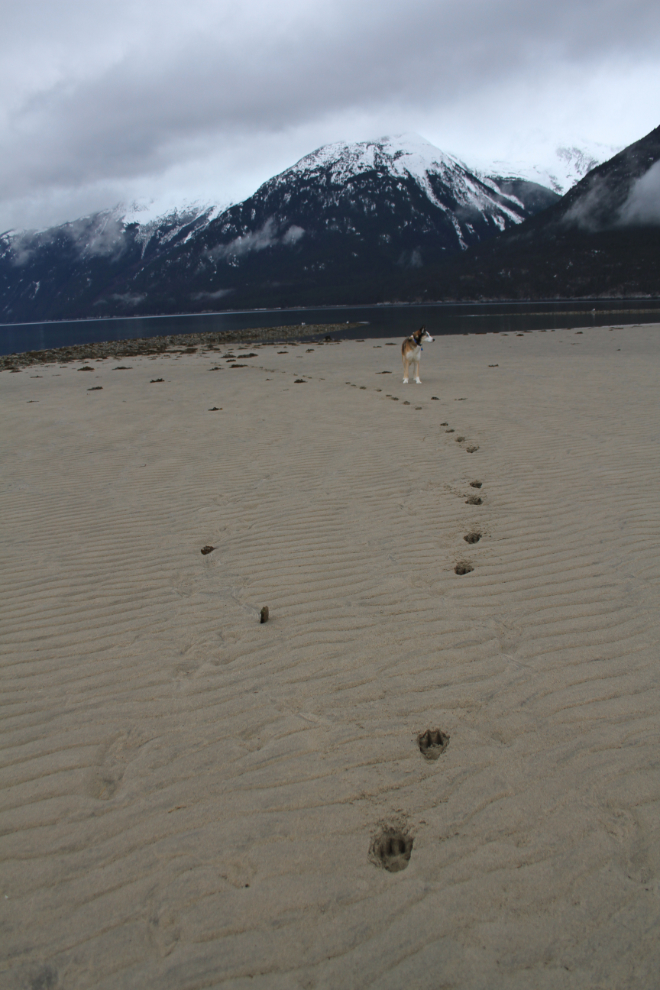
[{"x": 379, "y": 321}]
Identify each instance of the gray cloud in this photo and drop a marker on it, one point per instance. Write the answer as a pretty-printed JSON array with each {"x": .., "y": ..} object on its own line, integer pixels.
[
  {"x": 267, "y": 236},
  {"x": 108, "y": 238},
  {"x": 643, "y": 203},
  {"x": 293, "y": 234},
  {"x": 587, "y": 210},
  {"x": 218, "y": 294},
  {"x": 125, "y": 298},
  {"x": 120, "y": 93},
  {"x": 104, "y": 236},
  {"x": 597, "y": 208}
]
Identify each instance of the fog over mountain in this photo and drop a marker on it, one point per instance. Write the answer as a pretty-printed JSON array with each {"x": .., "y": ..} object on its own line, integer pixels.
[
  {"x": 602, "y": 239},
  {"x": 559, "y": 170},
  {"x": 365, "y": 222},
  {"x": 337, "y": 226}
]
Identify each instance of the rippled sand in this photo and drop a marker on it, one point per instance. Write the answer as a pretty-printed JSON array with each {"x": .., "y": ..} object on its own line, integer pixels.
[{"x": 195, "y": 799}]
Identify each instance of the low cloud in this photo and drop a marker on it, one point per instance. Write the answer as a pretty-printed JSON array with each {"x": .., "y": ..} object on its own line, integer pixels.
[
  {"x": 108, "y": 237},
  {"x": 101, "y": 236},
  {"x": 267, "y": 236},
  {"x": 643, "y": 203},
  {"x": 598, "y": 208},
  {"x": 292, "y": 235},
  {"x": 125, "y": 298},
  {"x": 21, "y": 247},
  {"x": 218, "y": 294},
  {"x": 590, "y": 211}
]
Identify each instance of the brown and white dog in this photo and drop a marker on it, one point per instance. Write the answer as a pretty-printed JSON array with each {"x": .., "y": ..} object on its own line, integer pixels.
[{"x": 411, "y": 352}]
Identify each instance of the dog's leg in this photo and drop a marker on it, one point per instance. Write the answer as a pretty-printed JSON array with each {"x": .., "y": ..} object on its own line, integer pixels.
[
  {"x": 405, "y": 371},
  {"x": 417, "y": 378}
]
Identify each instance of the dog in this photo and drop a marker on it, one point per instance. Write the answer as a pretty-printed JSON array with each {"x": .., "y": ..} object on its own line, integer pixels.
[{"x": 411, "y": 351}]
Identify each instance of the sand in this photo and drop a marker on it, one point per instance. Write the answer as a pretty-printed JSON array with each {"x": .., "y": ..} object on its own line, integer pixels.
[{"x": 192, "y": 798}]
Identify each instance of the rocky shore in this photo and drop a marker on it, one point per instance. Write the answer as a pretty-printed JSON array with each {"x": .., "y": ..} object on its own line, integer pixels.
[{"x": 173, "y": 343}]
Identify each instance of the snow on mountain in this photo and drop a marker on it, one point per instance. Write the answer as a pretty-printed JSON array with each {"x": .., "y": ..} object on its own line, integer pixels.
[
  {"x": 400, "y": 154},
  {"x": 410, "y": 156},
  {"x": 346, "y": 209},
  {"x": 562, "y": 169},
  {"x": 406, "y": 155},
  {"x": 155, "y": 213},
  {"x": 342, "y": 224}
]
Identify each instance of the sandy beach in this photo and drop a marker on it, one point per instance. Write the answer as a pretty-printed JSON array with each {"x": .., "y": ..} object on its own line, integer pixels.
[{"x": 192, "y": 798}]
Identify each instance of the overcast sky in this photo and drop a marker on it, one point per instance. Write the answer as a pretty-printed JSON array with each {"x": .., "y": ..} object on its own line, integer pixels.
[{"x": 169, "y": 100}]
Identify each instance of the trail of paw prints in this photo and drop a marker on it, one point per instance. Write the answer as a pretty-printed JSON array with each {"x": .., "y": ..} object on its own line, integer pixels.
[
  {"x": 471, "y": 448},
  {"x": 474, "y": 535},
  {"x": 392, "y": 841},
  {"x": 394, "y": 398}
]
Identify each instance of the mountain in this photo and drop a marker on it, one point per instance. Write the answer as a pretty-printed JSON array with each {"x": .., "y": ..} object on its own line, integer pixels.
[
  {"x": 602, "y": 239},
  {"x": 60, "y": 272},
  {"x": 346, "y": 224}
]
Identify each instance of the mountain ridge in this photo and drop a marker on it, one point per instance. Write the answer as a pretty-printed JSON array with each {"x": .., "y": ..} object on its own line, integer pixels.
[
  {"x": 343, "y": 216},
  {"x": 388, "y": 219}
]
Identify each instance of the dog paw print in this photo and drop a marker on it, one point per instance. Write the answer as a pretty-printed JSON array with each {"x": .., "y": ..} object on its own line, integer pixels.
[
  {"x": 107, "y": 772},
  {"x": 391, "y": 848},
  {"x": 432, "y": 743}
]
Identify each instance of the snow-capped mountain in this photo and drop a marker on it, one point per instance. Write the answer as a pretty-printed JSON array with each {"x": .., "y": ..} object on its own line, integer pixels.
[
  {"x": 340, "y": 225},
  {"x": 414, "y": 155},
  {"x": 458, "y": 192}
]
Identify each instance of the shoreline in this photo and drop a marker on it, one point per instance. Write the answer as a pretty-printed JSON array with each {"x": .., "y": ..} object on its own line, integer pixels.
[
  {"x": 210, "y": 340},
  {"x": 163, "y": 344}
]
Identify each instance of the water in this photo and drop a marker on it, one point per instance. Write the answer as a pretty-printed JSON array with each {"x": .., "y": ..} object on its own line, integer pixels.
[{"x": 379, "y": 321}]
